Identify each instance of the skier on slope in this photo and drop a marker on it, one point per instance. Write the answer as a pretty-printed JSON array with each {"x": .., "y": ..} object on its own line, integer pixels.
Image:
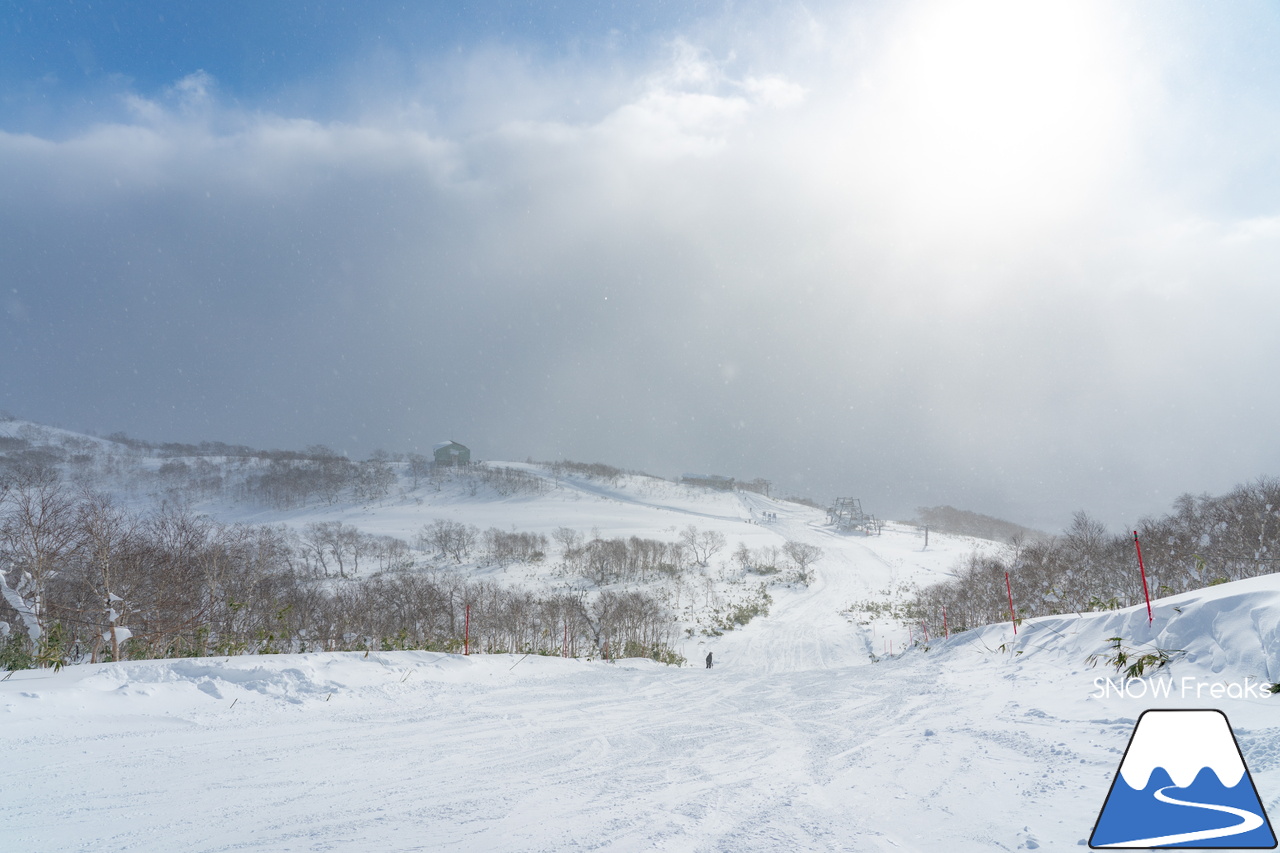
[{"x": 708, "y": 660}]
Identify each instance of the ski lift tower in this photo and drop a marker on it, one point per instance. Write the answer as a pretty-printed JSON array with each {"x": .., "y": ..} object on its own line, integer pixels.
[{"x": 846, "y": 514}]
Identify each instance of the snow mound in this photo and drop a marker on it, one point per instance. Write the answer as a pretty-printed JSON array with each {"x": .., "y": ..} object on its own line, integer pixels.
[{"x": 1231, "y": 629}]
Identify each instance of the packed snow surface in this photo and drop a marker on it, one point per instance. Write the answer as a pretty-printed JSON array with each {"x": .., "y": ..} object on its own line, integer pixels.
[{"x": 804, "y": 735}]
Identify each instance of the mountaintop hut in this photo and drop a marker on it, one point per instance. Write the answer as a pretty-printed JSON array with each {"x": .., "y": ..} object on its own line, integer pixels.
[{"x": 450, "y": 453}]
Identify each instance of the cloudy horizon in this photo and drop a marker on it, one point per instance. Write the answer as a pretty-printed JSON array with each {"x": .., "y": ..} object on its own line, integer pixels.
[{"x": 1011, "y": 257}]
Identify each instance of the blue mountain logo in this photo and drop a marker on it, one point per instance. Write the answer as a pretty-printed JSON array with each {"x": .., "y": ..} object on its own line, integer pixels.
[{"x": 1183, "y": 783}]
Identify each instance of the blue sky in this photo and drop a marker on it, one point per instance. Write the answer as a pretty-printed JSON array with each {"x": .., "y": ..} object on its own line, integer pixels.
[
  {"x": 257, "y": 46},
  {"x": 69, "y": 61},
  {"x": 1012, "y": 257}
]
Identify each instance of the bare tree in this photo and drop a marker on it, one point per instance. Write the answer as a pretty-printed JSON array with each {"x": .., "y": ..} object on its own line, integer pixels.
[
  {"x": 448, "y": 538},
  {"x": 802, "y": 555},
  {"x": 343, "y": 544},
  {"x": 702, "y": 545},
  {"x": 37, "y": 533},
  {"x": 418, "y": 469},
  {"x": 568, "y": 539},
  {"x": 392, "y": 554},
  {"x": 107, "y": 536},
  {"x": 374, "y": 477}
]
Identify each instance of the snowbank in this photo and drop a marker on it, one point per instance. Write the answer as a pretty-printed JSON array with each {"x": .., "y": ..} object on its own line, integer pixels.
[
  {"x": 1227, "y": 630},
  {"x": 963, "y": 747}
]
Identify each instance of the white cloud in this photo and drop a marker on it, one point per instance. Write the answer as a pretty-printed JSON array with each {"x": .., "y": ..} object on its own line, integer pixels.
[
  {"x": 671, "y": 124},
  {"x": 948, "y": 240},
  {"x": 196, "y": 90},
  {"x": 774, "y": 91}
]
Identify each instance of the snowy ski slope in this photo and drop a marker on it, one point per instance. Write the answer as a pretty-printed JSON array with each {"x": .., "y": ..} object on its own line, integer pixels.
[{"x": 794, "y": 741}]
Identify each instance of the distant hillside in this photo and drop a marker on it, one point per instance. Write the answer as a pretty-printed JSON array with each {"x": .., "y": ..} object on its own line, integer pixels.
[
  {"x": 219, "y": 549},
  {"x": 948, "y": 519}
]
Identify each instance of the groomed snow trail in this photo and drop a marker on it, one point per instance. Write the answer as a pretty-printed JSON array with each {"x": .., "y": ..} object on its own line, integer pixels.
[
  {"x": 963, "y": 751},
  {"x": 807, "y": 628},
  {"x": 415, "y": 751},
  {"x": 795, "y": 741}
]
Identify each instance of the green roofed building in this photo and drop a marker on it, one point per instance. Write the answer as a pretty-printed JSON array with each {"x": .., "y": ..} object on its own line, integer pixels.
[{"x": 452, "y": 453}]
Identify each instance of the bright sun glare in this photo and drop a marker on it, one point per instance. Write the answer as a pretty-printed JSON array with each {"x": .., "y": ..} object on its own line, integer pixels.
[{"x": 999, "y": 109}]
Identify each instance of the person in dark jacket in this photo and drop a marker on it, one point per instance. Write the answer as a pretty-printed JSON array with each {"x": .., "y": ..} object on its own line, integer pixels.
[{"x": 708, "y": 660}]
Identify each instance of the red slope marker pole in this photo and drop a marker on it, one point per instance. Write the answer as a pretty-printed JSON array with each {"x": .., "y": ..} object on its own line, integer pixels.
[
  {"x": 1143, "y": 569},
  {"x": 945, "y": 629},
  {"x": 1009, "y": 589},
  {"x": 466, "y": 635}
]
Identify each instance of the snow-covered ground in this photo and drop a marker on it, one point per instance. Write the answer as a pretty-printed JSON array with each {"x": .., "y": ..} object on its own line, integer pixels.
[
  {"x": 808, "y": 629},
  {"x": 796, "y": 740},
  {"x": 962, "y": 747}
]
